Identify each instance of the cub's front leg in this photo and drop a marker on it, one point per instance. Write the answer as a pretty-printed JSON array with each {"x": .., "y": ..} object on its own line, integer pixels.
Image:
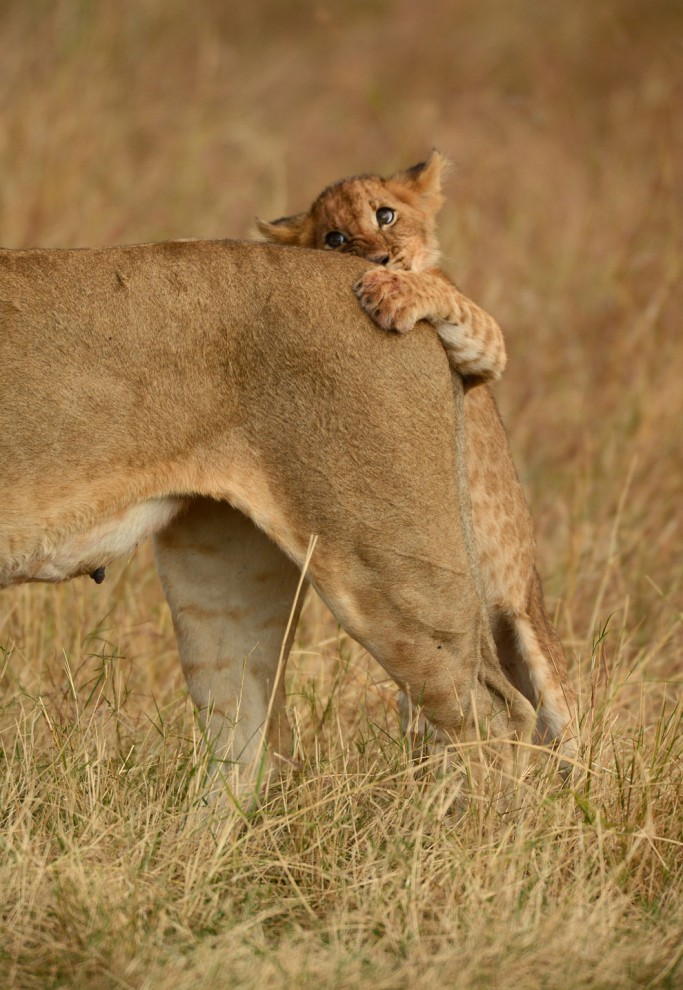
[{"x": 396, "y": 300}]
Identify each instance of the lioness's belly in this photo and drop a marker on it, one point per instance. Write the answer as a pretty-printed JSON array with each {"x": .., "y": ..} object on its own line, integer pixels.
[{"x": 58, "y": 559}]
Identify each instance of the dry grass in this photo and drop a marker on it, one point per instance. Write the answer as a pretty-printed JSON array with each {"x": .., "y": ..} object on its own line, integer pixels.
[{"x": 156, "y": 118}]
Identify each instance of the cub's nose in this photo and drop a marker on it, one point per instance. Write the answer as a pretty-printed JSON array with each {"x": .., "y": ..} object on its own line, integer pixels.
[{"x": 379, "y": 259}]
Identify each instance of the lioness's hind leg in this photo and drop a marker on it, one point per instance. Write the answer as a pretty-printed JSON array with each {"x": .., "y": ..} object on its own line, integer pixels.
[
  {"x": 437, "y": 648},
  {"x": 230, "y": 591}
]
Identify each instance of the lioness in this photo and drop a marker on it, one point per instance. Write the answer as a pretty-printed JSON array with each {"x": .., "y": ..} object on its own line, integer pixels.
[
  {"x": 392, "y": 222},
  {"x": 176, "y": 389}
]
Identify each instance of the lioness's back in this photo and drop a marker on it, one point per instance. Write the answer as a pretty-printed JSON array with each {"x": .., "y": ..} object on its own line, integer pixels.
[{"x": 150, "y": 349}]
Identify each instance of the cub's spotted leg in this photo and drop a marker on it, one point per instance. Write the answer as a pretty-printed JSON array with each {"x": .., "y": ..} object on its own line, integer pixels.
[
  {"x": 532, "y": 656},
  {"x": 230, "y": 591},
  {"x": 528, "y": 645},
  {"x": 396, "y": 300}
]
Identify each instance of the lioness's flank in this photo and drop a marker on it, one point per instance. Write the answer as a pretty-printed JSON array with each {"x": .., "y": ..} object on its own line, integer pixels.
[{"x": 230, "y": 399}]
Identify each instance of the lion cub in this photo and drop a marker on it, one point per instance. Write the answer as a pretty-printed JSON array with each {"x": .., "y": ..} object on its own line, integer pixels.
[{"x": 392, "y": 222}]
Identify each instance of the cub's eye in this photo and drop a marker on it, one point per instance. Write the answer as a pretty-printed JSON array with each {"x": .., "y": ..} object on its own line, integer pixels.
[
  {"x": 334, "y": 239},
  {"x": 385, "y": 216}
]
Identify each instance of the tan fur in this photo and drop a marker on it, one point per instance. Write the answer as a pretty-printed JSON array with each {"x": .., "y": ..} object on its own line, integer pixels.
[
  {"x": 189, "y": 390},
  {"x": 408, "y": 288}
]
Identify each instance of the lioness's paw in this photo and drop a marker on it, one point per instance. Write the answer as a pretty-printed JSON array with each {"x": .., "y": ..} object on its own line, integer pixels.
[{"x": 387, "y": 299}]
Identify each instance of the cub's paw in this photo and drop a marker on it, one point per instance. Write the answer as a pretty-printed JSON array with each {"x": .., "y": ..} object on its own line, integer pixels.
[{"x": 389, "y": 299}]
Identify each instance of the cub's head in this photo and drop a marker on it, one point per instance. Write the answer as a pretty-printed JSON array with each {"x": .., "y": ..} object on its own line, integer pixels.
[{"x": 389, "y": 221}]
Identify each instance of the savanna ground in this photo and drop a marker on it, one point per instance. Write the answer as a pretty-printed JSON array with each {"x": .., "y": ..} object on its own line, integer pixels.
[{"x": 148, "y": 119}]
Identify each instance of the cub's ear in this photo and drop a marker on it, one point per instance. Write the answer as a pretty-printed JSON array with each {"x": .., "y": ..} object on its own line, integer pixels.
[
  {"x": 286, "y": 230},
  {"x": 424, "y": 179}
]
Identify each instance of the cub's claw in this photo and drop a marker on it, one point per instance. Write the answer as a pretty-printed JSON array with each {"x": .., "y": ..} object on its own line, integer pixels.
[{"x": 387, "y": 300}]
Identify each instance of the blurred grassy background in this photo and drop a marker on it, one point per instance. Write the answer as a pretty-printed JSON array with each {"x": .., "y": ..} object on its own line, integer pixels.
[{"x": 152, "y": 119}]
